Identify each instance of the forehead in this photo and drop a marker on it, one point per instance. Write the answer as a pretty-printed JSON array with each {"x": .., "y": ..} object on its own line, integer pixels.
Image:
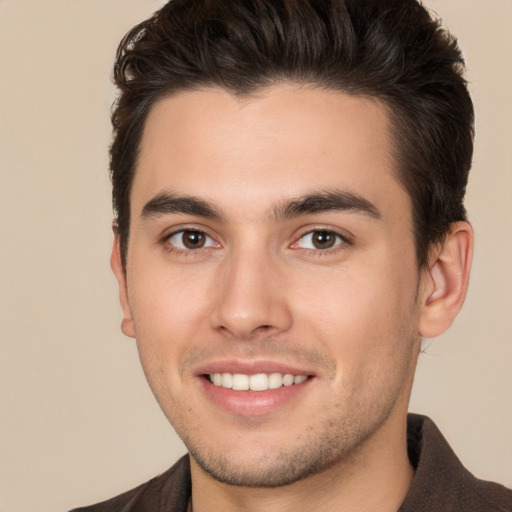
[{"x": 249, "y": 152}]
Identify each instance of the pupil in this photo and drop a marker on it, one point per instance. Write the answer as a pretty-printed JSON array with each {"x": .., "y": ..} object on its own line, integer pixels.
[
  {"x": 323, "y": 239},
  {"x": 193, "y": 239}
]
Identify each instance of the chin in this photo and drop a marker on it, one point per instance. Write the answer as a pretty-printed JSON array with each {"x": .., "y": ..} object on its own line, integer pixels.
[
  {"x": 271, "y": 464},
  {"x": 263, "y": 472}
]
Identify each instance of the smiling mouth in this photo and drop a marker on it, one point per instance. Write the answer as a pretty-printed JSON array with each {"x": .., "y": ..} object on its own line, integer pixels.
[{"x": 255, "y": 382}]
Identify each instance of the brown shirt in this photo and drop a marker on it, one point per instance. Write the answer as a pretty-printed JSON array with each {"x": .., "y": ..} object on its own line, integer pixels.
[{"x": 441, "y": 483}]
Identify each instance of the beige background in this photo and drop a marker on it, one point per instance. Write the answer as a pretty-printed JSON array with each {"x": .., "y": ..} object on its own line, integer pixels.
[{"x": 77, "y": 421}]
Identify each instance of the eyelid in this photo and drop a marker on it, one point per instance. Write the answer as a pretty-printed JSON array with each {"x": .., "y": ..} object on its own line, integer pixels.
[
  {"x": 199, "y": 228},
  {"x": 343, "y": 238},
  {"x": 191, "y": 229}
]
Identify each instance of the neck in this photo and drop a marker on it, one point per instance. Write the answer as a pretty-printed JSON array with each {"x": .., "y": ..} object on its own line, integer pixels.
[{"x": 377, "y": 476}]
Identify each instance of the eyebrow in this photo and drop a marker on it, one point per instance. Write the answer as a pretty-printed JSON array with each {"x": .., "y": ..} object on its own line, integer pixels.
[
  {"x": 327, "y": 200},
  {"x": 331, "y": 200},
  {"x": 166, "y": 203}
]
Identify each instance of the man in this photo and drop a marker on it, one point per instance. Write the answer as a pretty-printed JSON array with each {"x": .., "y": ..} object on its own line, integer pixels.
[{"x": 288, "y": 181}]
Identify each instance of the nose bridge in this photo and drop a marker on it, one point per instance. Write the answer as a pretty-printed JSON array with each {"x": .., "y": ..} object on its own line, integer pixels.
[{"x": 250, "y": 297}]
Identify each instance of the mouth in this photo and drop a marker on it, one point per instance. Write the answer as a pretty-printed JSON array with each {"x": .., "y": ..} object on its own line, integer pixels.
[
  {"x": 254, "y": 389},
  {"x": 255, "y": 382}
]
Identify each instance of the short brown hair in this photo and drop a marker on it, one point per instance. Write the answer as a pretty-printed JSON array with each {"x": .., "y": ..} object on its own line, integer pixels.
[{"x": 392, "y": 50}]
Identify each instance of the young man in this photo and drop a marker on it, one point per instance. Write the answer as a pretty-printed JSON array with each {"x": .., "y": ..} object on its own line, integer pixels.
[{"x": 288, "y": 181}]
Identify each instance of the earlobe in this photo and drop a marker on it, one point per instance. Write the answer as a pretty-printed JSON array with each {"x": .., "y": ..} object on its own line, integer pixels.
[
  {"x": 127, "y": 326},
  {"x": 446, "y": 280}
]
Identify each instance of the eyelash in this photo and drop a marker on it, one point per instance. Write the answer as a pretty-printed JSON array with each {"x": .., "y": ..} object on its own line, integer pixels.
[
  {"x": 341, "y": 242},
  {"x": 186, "y": 252}
]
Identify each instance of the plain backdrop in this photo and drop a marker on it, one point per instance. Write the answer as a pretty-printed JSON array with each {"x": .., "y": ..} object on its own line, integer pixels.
[{"x": 78, "y": 423}]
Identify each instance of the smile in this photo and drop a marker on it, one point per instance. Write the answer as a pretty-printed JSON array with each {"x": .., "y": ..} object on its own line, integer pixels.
[{"x": 256, "y": 382}]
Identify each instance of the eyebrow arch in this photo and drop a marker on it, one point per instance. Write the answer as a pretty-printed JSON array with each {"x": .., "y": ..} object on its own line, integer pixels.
[
  {"x": 329, "y": 200},
  {"x": 168, "y": 203},
  {"x": 326, "y": 200}
]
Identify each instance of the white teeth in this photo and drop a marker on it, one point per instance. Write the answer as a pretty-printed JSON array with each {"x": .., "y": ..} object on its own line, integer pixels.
[
  {"x": 227, "y": 380},
  {"x": 275, "y": 380},
  {"x": 256, "y": 382},
  {"x": 240, "y": 382},
  {"x": 299, "y": 379},
  {"x": 288, "y": 380}
]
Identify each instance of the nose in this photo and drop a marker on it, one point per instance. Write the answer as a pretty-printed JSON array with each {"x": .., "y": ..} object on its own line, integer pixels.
[{"x": 251, "y": 298}]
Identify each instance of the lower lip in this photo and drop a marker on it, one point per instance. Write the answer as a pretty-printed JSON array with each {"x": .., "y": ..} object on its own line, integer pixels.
[{"x": 253, "y": 403}]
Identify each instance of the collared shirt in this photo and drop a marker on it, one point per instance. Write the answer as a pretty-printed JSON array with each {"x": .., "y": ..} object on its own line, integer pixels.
[{"x": 440, "y": 484}]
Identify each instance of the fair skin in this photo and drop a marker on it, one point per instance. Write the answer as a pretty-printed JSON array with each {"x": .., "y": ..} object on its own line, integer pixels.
[{"x": 270, "y": 235}]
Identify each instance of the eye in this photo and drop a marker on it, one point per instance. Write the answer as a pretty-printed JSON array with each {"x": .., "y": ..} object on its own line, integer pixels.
[
  {"x": 190, "y": 240},
  {"x": 320, "y": 239}
]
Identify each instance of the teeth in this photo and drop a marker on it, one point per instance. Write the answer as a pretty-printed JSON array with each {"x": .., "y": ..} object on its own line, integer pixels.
[
  {"x": 240, "y": 382},
  {"x": 227, "y": 380},
  {"x": 287, "y": 380},
  {"x": 275, "y": 380},
  {"x": 257, "y": 382},
  {"x": 299, "y": 379}
]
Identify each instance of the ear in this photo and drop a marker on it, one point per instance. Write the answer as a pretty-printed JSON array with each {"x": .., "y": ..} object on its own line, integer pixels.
[
  {"x": 446, "y": 280},
  {"x": 127, "y": 325}
]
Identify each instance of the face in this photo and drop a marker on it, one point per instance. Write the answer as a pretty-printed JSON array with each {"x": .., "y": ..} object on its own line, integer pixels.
[{"x": 271, "y": 280}]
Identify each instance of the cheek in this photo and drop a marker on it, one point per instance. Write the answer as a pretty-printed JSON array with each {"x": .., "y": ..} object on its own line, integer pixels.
[
  {"x": 169, "y": 311},
  {"x": 366, "y": 320},
  {"x": 166, "y": 311},
  {"x": 163, "y": 297}
]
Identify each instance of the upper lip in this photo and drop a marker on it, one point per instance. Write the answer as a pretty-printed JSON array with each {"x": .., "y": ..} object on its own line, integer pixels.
[{"x": 250, "y": 367}]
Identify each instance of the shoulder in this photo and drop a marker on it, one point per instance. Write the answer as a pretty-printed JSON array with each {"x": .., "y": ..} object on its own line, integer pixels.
[
  {"x": 169, "y": 491},
  {"x": 491, "y": 494},
  {"x": 441, "y": 483}
]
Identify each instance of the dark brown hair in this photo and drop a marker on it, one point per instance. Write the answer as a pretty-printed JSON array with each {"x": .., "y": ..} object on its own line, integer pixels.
[{"x": 392, "y": 50}]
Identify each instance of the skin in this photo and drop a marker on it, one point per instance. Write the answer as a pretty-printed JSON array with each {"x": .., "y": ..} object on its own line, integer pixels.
[{"x": 260, "y": 292}]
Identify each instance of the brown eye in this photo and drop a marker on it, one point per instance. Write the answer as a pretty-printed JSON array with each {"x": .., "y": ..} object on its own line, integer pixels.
[
  {"x": 323, "y": 239},
  {"x": 193, "y": 239},
  {"x": 190, "y": 240},
  {"x": 320, "y": 239}
]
